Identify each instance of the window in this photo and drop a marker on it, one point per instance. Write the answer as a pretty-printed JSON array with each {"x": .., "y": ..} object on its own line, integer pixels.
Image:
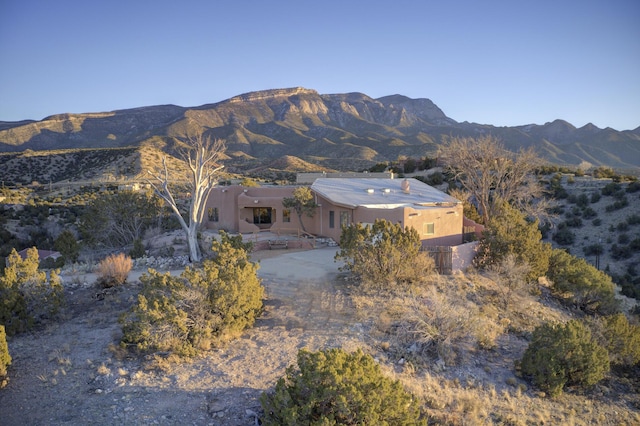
[
  {"x": 428, "y": 228},
  {"x": 344, "y": 219},
  {"x": 262, "y": 215},
  {"x": 332, "y": 219},
  {"x": 213, "y": 214},
  {"x": 286, "y": 215}
]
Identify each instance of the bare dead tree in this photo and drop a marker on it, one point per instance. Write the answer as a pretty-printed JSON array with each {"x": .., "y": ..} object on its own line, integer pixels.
[
  {"x": 202, "y": 156},
  {"x": 490, "y": 173}
]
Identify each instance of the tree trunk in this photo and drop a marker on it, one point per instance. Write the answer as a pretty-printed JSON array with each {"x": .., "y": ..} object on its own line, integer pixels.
[{"x": 192, "y": 242}]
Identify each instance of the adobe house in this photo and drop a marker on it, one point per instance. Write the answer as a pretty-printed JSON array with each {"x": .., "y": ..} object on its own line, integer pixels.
[{"x": 437, "y": 216}]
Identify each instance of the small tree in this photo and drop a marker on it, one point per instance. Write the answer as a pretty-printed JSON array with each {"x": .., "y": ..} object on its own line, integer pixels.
[
  {"x": 619, "y": 337},
  {"x": 116, "y": 220},
  {"x": 492, "y": 174},
  {"x": 384, "y": 254},
  {"x": 510, "y": 233},
  {"x": 5, "y": 358},
  {"x": 302, "y": 203},
  {"x": 333, "y": 387},
  {"x": 68, "y": 246},
  {"x": 27, "y": 296},
  {"x": 564, "y": 354},
  {"x": 202, "y": 155},
  {"x": 581, "y": 284}
]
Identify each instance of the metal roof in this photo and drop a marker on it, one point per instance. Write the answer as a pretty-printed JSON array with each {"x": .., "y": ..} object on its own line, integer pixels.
[{"x": 380, "y": 193}]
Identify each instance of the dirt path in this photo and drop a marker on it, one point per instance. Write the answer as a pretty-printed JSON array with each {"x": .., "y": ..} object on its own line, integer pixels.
[{"x": 67, "y": 375}]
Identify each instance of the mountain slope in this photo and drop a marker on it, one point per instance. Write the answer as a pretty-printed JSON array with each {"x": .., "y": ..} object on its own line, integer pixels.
[{"x": 262, "y": 126}]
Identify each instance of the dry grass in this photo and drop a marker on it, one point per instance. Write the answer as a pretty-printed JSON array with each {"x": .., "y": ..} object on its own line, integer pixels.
[
  {"x": 455, "y": 343},
  {"x": 114, "y": 270}
]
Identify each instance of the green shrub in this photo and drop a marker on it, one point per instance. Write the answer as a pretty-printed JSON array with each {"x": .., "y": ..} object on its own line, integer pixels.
[
  {"x": 28, "y": 296},
  {"x": 114, "y": 270},
  {"x": 68, "y": 246},
  {"x": 633, "y": 187},
  {"x": 564, "y": 236},
  {"x": 333, "y": 387},
  {"x": 201, "y": 308},
  {"x": 5, "y": 358},
  {"x": 562, "y": 355},
  {"x": 384, "y": 254},
  {"x": 580, "y": 283},
  {"x": 511, "y": 233},
  {"x": 620, "y": 338},
  {"x": 589, "y": 213},
  {"x": 138, "y": 249},
  {"x": 593, "y": 250}
]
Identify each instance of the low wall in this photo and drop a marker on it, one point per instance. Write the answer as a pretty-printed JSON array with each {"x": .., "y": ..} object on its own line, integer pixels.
[{"x": 462, "y": 256}]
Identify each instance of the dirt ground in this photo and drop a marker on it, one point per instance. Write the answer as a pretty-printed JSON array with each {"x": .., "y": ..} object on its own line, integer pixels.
[{"x": 69, "y": 374}]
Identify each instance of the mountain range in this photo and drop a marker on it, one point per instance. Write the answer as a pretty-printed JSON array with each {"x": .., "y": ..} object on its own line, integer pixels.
[{"x": 334, "y": 131}]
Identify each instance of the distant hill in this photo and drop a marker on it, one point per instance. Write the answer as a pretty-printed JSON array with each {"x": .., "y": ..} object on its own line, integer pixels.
[{"x": 337, "y": 131}]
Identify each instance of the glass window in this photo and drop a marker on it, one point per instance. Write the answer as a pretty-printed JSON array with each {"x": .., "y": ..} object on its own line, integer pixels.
[
  {"x": 262, "y": 215},
  {"x": 213, "y": 214},
  {"x": 332, "y": 219},
  {"x": 428, "y": 228},
  {"x": 344, "y": 219},
  {"x": 286, "y": 215}
]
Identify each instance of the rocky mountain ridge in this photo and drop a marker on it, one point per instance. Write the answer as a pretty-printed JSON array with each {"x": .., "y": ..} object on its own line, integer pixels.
[{"x": 327, "y": 130}]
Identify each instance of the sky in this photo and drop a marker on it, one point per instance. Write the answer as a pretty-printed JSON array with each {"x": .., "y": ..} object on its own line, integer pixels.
[{"x": 504, "y": 63}]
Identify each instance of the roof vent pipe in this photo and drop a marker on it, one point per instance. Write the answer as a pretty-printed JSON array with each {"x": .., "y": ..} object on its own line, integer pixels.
[{"x": 405, "y": 186}]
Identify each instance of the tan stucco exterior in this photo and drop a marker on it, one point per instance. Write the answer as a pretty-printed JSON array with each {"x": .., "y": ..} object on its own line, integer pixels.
[{"x": 248, "y": 210}]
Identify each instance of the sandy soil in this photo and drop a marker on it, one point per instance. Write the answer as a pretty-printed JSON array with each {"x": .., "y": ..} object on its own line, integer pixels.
[{"x": 68, "y": 375}]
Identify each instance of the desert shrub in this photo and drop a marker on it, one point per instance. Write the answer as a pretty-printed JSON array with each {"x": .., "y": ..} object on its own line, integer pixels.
[
  {"x": 510, "y": 275},
  {"x": 617, "y": 205},
  {"x": 633, "y": 219},
  {"x": 620, "y": 252},
  {"x": 435, "y": 179},
  {"x": 116, "y": 220},
  {"x": 589, "y": 213},
  {"x": 593, "y": 250},
  {"x": 511, "y": 233},
  {"x": 438, "y": 329},
  {"x": 333, "y": 387},
  {"x": 384, "y": 254},
  {"x": 595, "y": 197},
  {"x": 562, "y": 355},
  {"x": 619, "y": 337},
  {"x": 28, "y": 297},
  {"x": 574, "y": 222},
  {"x": 597, "y": 222},
  {"x": 564, "y": 236},
  {"x": 633, "y": 186},
  {"x": 201, "y": 308},
  {"x": 114, "y": 269},
  {"x": 583, "y": 200},
  {"x": 580, "y": 283},
  {"x": 5, "y": 358},
  {"x": 68, "y": 246},
  {"x": 138, "y": 249},
  {"x": 622, "y": 226},
  {"x": 610, "y": 189}
]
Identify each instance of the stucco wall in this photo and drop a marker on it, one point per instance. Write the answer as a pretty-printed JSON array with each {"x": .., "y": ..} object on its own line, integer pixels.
[
  {"x": 462, "y": 256},
  {"x": 235, "y": 214}
]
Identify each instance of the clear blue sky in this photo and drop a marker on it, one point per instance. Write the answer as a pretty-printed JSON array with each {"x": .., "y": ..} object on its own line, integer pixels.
[{"x": 504, "y": 63}]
